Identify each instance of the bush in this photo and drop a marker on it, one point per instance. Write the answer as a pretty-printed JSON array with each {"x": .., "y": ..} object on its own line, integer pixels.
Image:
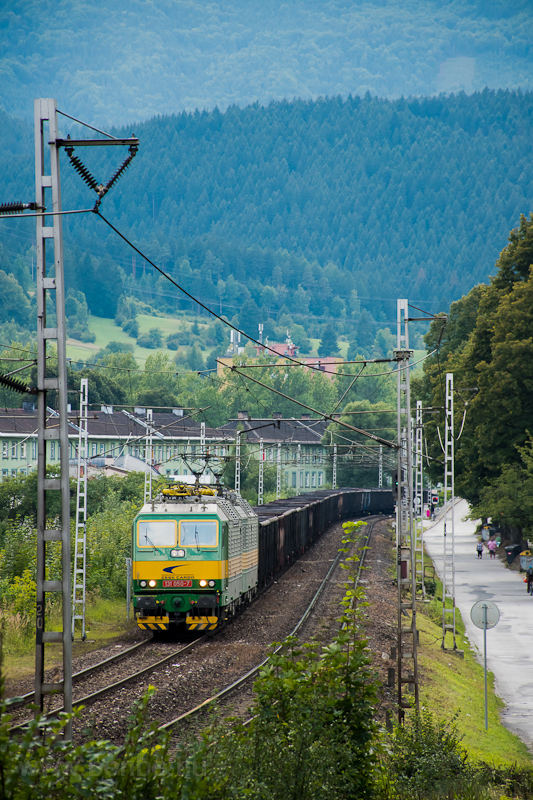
[
  {"x": 82, "y": 335},
  {"x": 425, "y": 758},
  {"x": 180, "y": 337},
  {"x": 131, "y": 327},
  {"x": 153, "y": 339}
]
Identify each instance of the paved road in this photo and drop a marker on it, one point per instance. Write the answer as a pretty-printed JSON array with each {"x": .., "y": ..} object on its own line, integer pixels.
[{"x": 510, "y": 643}]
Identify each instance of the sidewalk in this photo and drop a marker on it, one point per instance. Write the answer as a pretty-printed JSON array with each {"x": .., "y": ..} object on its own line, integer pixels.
[{"x": 510, "y": 643}]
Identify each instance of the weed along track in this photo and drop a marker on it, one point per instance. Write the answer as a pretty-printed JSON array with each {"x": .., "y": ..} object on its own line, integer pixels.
[{"x": 236, "y": 696}]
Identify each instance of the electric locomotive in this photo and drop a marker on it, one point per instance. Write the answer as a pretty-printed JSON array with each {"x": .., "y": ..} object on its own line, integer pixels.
[{"x": 195, "y": 557}]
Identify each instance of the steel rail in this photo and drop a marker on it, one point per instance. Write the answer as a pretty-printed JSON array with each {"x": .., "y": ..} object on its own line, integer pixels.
[
  {"x": 95, "y": 696},
  {"x": 240, "y": 681},
  {"x": 24, "y": 699}
]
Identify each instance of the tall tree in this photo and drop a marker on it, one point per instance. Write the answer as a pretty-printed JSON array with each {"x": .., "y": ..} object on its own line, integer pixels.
[
  {"x": 328, "y": 343},
  {"x": 488, "y": 345}
]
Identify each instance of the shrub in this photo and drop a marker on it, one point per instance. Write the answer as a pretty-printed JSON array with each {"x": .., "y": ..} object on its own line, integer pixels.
[
  {"x": 131, "y": 327},
  {"x": 425, "y": 758},
  {"x": 153, "y": 339}
]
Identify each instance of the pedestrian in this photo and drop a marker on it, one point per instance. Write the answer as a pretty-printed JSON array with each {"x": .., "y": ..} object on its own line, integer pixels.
[
  {"x": 529, "y": 576},
  {"x": 479, "y": 548},
  {"x": 492, "y": 547}
]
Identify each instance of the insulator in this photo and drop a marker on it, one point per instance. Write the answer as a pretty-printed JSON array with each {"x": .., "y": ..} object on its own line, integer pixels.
[
  {"x": 99, "y": 188},
  {"x": 14, "y": 208},
  {"x": 120, "y": 170},
  {"x": 82, "y": 170},
  {"x": 17, "y": 386}
]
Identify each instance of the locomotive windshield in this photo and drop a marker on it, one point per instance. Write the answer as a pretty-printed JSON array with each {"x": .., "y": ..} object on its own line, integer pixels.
[
  {"x": 156, "y": 533},
  {"x": 198, "y": 533}
]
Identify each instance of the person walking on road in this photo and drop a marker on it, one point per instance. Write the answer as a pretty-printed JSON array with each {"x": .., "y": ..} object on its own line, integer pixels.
[
  {"x": 479, "y": 548},
  {"x": 492, "y": 547},
  {"x": 529, "y": 578}
]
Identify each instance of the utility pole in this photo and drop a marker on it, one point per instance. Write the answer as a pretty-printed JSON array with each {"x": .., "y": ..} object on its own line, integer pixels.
[
  {"x": 203, "y": 448},
  {"x": 238, "y": 462},
  {"x": 278, "y": 473},
  {"x": 51, "y": 347},
  {"x": 406, "y": 569},
  {"x": 80, "y": 550},
  {"x": 380, "y": 467},
  {"x": 448, "y": 577},
  {"x": 148, "y": 457},
  {"x": 50, "y": 229},
  {"x": 419, "y": 503},
  {"x": 261, "y": 473},
  {"x": 334, "y": 473}
]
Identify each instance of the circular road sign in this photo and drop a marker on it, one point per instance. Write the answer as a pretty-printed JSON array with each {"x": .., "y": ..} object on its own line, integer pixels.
[{"x": 477, "y": 614}]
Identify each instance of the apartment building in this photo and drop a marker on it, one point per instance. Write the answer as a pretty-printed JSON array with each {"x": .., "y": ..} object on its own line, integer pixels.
[
  {"x": 116, "y": 441},
  {"x": 297, "y": 442}
]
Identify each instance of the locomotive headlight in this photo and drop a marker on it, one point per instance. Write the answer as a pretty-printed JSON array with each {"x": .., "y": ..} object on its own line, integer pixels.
[
  {"x": 177, "y": 553},
  {"x": 211, "y": 583},
  {"x": 151, "y": 584},
  {"x": 143, "y": 584},
  {"x": 203, "y": 583}
]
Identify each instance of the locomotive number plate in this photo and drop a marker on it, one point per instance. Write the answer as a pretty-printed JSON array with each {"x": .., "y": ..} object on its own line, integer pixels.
[{"x": 177, "y": 584}]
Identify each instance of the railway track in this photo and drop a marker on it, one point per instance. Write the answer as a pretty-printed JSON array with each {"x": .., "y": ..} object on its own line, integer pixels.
[
  {"x": 93, "y": 697},
  {"x": 244, "y": 679},
  {"x": 114, "y": 688},
  {"x": 25, "y": 699}
]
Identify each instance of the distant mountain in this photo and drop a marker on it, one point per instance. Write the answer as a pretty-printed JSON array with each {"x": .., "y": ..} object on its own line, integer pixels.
[
  {"x": 298, "y": 213},
  {"x": 112, "y": 62}
]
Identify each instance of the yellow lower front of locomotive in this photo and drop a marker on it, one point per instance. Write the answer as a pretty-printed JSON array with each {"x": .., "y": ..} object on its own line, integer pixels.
[
  {"x": 167, "y": 593},
  {"x": 196, "y": 594}
]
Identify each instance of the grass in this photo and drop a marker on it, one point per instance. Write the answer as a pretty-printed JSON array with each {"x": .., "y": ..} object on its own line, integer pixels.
[
  {"x": 451, "y": 686},
  {"x": 418, "y": 355},
  {"x": 315, "y": 344},
  {"x": 105, "y": 622},
  {"x": 107, "y": 331}
]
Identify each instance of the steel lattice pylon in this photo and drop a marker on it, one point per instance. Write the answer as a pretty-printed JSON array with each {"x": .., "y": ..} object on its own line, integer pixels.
[
  {"x": 148, "y": 456},
  {"x": 238, "y": 462},
  {"x": 80, "y": 547},
  {"x": 406, "y": 569},
  {"x": 278, "y": 472},
  {"x": 260, "y": 487},
  {"x": 448, "y": 566},
  {"x": 419, "y": 503},
  {"x": 50, "y": 280}
]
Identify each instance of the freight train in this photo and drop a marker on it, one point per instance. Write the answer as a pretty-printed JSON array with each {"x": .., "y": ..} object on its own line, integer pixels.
[{"x": 201, "y": 553}]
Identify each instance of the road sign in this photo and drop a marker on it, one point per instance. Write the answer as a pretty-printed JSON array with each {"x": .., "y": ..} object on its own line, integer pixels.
[{"x": 485, "y": 614}]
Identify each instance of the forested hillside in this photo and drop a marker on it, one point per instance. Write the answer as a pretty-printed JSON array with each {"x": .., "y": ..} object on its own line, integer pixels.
[
  {"x": 112, "y": 63},
  {"x": 299, "y": 213},
  {"x": 488, "y": 345}
]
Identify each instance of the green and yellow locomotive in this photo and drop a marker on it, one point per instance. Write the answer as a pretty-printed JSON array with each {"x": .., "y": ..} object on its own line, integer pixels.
[{"x": 195, "y": 557}]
